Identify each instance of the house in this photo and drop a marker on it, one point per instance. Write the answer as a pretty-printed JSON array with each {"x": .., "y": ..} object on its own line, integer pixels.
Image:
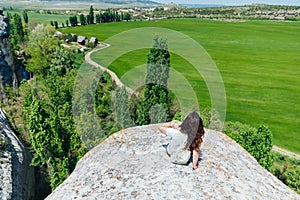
[
  {"x": 93, "y": 40},
  {"x": 81, "y": 40},
  {"x": 58, "y": 34},
  {"x": 82, "y": 49}
]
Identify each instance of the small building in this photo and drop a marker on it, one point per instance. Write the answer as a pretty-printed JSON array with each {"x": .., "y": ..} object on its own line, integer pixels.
[
  {"x": 93, "y": 40},
  {"x": 58, "y": 34},
  {"x": 81, "y": 40},
  {"x": 82, "y": 49},
  {"x": 73, "y": 35}
]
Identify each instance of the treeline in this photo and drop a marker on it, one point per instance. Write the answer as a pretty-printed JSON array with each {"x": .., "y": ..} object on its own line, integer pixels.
[
  {"x": 109, "y": 15},
  {"x": 247, "y": 12},
  {"x": 39, "y": 106}
]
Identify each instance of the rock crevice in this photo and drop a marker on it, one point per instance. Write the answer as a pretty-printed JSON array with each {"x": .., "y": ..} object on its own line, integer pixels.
[{"x": 16, "y": 175}]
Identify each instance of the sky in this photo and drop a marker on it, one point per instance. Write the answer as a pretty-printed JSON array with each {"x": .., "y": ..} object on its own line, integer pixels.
[{"x": 233, "y": 2}]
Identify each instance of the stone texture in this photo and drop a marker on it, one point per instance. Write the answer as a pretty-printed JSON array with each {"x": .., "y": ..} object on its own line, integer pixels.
[
  {"x": 6, "y": 58},
  {"x": 17, "y": 180},
  {"x": 133, "y": 164}
]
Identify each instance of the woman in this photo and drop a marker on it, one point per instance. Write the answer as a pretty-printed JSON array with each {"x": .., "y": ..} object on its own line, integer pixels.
[{"x": 185, "y": 139}]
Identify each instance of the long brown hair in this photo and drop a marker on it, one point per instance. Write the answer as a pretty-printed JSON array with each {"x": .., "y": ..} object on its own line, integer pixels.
[{"x": 192, "y": 125}]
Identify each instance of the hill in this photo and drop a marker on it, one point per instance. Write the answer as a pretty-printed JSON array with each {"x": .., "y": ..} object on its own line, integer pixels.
[
  {"x": 133, "y": 164},
  {"x": 109, "y": 1}
]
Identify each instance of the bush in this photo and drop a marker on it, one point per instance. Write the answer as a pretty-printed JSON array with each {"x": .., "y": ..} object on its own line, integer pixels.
[
  {"x": 287, "y": 170},
  {"x": 178, "y": 116},
  {"x": 258, "y": 142}
]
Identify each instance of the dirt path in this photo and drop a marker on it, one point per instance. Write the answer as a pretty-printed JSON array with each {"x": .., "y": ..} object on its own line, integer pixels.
[
  {"x": 286, "y": 152},
  {"x": 112, "y": 74}
]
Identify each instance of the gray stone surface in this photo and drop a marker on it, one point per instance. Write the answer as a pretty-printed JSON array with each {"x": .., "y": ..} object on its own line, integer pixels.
[
  {"x": 6, "y": 58},
  {"x": 17, "y": 178},
  {"x": 133, "y": 164}
]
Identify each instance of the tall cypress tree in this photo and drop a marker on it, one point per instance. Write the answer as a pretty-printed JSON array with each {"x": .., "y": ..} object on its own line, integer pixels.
[
  {"x": 91, "y": 15},
  {"x": 16, "y": 31},
  {"x": 19, "y": 27},
  {"x": 121, "y": 108},
  {"x": 154, "y": 107},
  {"x": 25, "y": 16}
]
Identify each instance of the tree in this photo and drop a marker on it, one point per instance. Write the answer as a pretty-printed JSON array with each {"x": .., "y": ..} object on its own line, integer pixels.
[
  {"x": 155, "y": 104},
  {"x": 40, "y": 48},
  {"x": 56, "y": 24},
  {"x": 67, "y": 23},
  {"x": 47, "y": 112},
  {"x": 17, "y": 32},
  {"x": 88, "y": 19},
  {"x": 127, "y": 16},
  {"x": 25, "y": 16},
  {"x": 98, "y": 18},
  {"x": 73, "y": 20},
  {"x": 82, "y": 19},
  {"x": 121, "y": 106},
  {"x": 91, "y": 15},
  {"x": 61, "y": 62}
]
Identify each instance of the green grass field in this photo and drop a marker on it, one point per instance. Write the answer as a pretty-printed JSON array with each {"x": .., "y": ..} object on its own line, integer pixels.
[
  {"x": 44, "y": 18},
  {"x": 258, "y": 60}
]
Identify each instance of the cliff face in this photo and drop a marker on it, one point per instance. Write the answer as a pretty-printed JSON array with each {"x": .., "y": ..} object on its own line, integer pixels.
[
  {"x": 133, "y": 164},
  {"x": 17, "y": 180},
  {"x": 6, "y": 58}
]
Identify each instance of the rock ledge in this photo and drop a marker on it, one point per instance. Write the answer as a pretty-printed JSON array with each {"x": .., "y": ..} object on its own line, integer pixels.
[{"x": 133, "y": 164}]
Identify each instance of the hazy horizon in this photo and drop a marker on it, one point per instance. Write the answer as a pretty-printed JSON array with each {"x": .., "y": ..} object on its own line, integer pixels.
[{"x": 233, "y": 2}]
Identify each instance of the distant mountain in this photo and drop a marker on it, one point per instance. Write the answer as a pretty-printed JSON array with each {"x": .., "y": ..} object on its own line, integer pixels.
[{"x": 111, "y": 1}]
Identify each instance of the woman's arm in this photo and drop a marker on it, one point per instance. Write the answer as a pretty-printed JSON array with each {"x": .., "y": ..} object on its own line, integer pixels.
[
  {"x": 162, "y": 129},
  {"x": 164, "y": 126},
  {"x": 195, "y": 159}
]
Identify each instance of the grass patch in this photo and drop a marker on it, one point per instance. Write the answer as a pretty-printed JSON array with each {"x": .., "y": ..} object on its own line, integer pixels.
[{"x": 258, "y": 61}]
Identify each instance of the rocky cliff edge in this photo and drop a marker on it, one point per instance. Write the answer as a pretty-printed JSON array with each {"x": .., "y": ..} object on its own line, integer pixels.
[{"x": 133, "y": 164}]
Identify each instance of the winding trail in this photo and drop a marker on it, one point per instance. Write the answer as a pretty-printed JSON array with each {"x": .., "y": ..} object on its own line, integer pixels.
[
  {"x": 286, "y": 152},
  {"x": 114, "y": 77},
  {"x": 130, "y": 91}
]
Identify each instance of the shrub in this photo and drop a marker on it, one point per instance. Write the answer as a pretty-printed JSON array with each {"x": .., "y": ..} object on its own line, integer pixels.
[
  {"x": 258, "y": 142},
  {"x": 287, "y": 170}
]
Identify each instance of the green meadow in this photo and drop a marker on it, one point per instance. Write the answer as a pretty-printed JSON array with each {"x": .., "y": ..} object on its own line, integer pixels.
[
  {"x": 44, "y": 18},
  {"x": 258, "y": 62}
]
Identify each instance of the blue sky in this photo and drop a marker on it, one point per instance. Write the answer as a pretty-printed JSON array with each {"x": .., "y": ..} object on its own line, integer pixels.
[{"x": 233, "y": 2}]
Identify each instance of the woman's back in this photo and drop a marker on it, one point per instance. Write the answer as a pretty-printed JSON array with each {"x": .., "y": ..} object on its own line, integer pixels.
[{"x": 178, "y": 140}]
